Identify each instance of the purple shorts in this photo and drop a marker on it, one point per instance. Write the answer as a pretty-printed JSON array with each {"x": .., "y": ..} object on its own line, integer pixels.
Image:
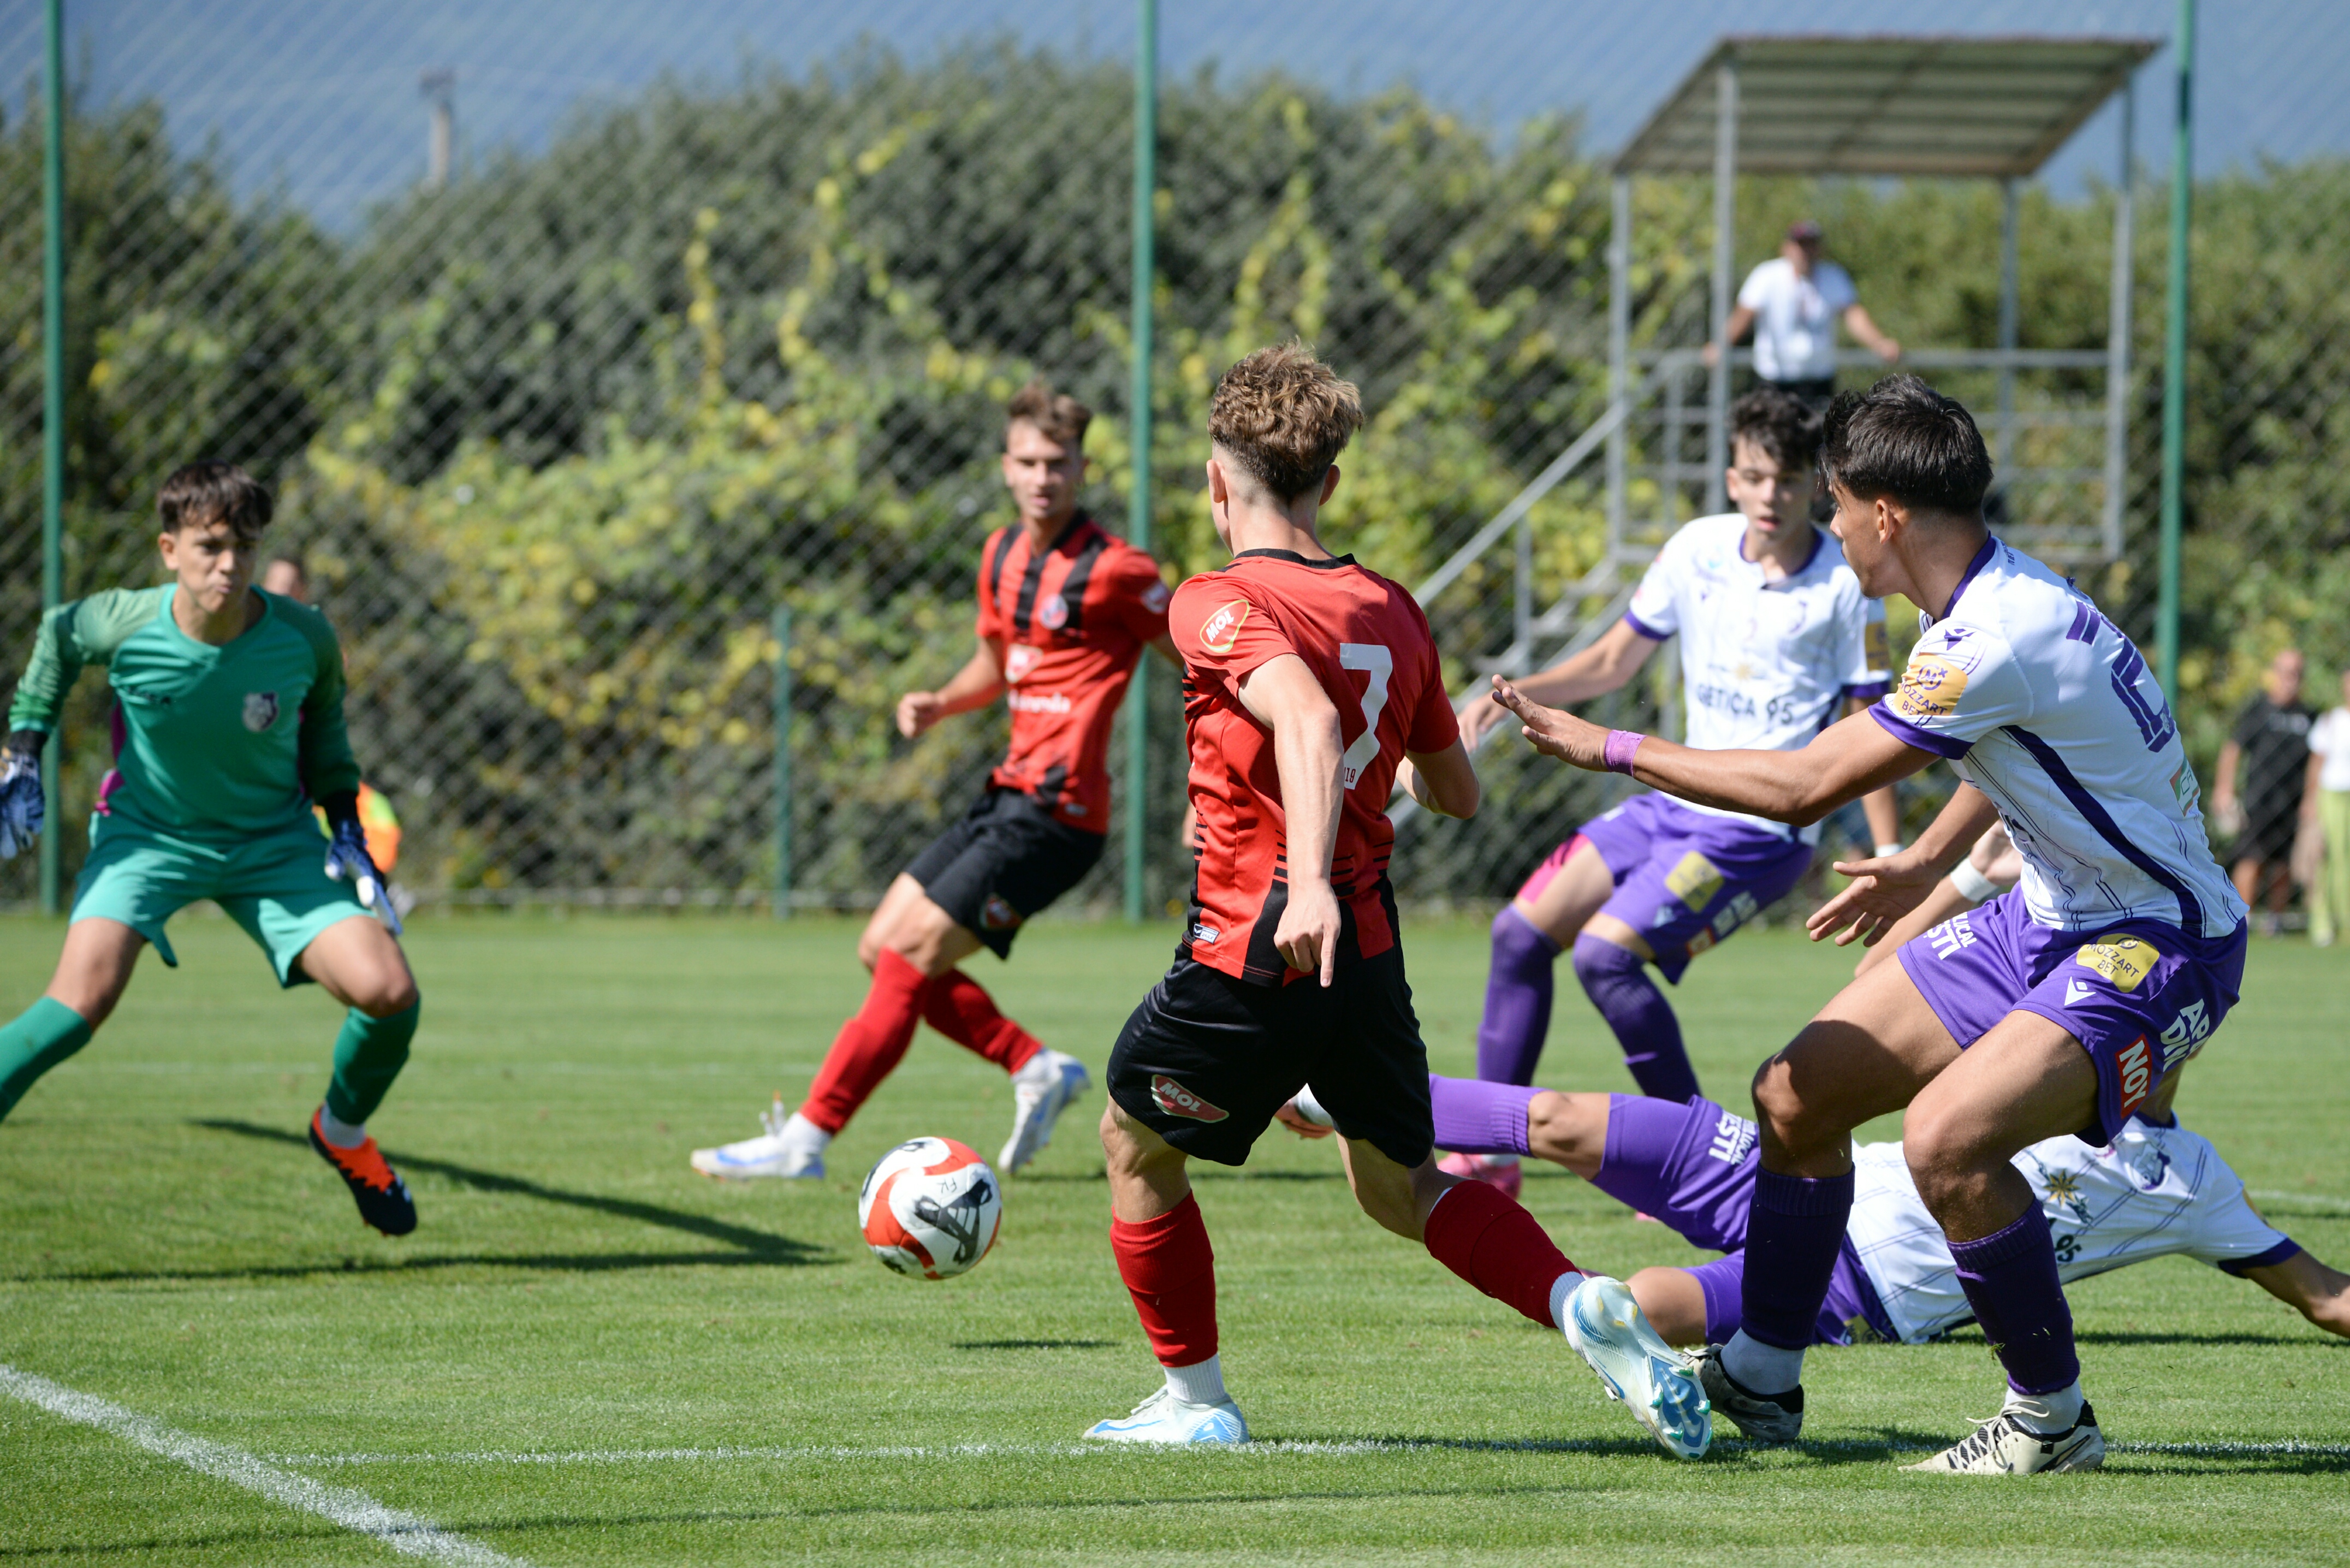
[
  {"x": 1692, "y": 1166},
  {"x": 1684, "y": 880},
  {"x": 2141, "y": 997}
]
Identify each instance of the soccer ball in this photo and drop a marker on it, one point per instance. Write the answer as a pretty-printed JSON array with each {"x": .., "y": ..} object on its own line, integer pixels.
[{"x": 930, "y": 1209}]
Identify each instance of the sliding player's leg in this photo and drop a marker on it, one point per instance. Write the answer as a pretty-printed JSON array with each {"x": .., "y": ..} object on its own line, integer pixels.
[
  {"x": 1866, "y": 1054},
  {"x": 100, "y": 954}
]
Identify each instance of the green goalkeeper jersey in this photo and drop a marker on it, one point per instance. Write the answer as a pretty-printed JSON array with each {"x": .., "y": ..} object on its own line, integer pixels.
[{"x": 214, "y": 743}]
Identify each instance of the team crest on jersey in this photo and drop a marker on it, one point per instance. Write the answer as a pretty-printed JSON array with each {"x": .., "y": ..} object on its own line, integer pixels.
[
  {"x": 1018, "y": 661},
  {"x": 2122, "y": 962},
  {"x": 1054, "y": 612},
  {"x": 1220, "y": 632},
  {"x": 1931, "y": 687},
  {"x": 1178, "y": 1101},
  {"x": 1694, "y": 881},
  {"x": 260, "y": 711},
  {"x": 1155, "y": 597},
  {"x": 996, "y": 914}
]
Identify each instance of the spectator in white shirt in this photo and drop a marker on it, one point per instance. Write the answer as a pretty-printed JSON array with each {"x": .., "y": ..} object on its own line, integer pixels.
[
  {"x": 1792, "y": 304},
  {"x": 2326, "y": 822}
]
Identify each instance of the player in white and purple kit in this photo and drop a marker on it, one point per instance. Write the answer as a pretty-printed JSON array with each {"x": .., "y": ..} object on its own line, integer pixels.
[
  {"x": 2052, "y": 1009},
  {"x": 1777, "y": 642}
]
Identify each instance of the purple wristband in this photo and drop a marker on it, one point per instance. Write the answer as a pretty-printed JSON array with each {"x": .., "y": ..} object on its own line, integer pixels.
[{"x": 1621, "y": 745}]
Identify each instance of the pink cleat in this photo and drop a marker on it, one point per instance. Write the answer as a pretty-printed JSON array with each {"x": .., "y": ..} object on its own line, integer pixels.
[{"x": 1500, "y": 1170}]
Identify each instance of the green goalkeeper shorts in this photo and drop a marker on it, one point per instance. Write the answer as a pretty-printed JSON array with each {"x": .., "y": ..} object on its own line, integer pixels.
[{"x": 274, "y": 885}]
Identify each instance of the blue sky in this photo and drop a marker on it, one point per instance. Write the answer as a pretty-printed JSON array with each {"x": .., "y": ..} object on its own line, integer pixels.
[{"x": 320, "y": 99}]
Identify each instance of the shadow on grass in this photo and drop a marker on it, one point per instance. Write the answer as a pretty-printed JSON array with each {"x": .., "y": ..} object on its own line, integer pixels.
[
  {"x": 2173, "y": 1337},
  {"x": 555, "y": 1263},
  {"x": 247, "y": 1538},
  {"x": 1034, "y": 1344}
]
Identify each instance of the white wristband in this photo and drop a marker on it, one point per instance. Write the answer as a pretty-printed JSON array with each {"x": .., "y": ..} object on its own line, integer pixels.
[
  {"x": 1888, "y": 851},
  {"x": 1973, "y": 885}
]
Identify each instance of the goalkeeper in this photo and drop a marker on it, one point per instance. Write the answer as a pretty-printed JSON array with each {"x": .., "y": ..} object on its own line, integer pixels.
[{"x": 228, "y": 723}]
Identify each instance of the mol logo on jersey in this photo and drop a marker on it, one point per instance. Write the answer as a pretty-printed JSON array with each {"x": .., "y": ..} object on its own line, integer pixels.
[
  {"x": 2122, "y": 963},
  {"x": 1155, "y": 597},
  {"x": 1018, "y": 661},
  {"x": 1931, "y": 687},
  {"x": 1220, "y": 632}
]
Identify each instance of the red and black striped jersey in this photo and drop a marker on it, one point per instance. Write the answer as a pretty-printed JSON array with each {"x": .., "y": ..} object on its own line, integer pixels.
[
  {"x": 1069, "y": 623},
  {"x": 1368, "y": 645}
]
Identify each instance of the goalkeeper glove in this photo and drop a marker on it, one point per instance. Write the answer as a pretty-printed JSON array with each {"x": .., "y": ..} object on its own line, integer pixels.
[
  {"x": 348, "y": 859},
  {"x": 23, "y": 808}
]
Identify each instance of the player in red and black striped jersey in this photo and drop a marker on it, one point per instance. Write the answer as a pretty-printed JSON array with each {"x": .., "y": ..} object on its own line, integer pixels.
[
  {"x": 1312, "y": 688},
  {"x": 1065, "y": 612}
]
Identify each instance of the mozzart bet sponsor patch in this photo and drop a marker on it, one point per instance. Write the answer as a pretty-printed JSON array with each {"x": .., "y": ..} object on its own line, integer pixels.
[
  {"x": 1221, "y": 632},
  {"x": 1694, "y": 881},
  {"x": 2122, "y": 962},
  {"x": 1931, "y": 687}
]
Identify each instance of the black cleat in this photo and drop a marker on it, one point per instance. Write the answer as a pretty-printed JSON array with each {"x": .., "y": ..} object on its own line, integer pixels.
[
  {"x": 375, "y": 1188},
  {"x": 1759, "y": 1417}
]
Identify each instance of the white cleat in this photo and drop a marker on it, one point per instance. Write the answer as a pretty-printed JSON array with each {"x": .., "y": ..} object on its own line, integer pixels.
[
  {"x": 1657, "y": 1382},
  {"x": 792, "y": 1146},
  {"x": 1047, "y": 1084},
  {"x": 1164, "y": 1419},
  {"x": 2004, "y": 1445}
]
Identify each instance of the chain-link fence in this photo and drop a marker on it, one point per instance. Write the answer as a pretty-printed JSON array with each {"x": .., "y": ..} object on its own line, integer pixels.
[{"x": 559, "y": 428}]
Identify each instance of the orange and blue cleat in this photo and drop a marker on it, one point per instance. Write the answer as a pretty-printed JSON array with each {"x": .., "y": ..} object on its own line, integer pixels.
[{"x": 382, "y": 1195}]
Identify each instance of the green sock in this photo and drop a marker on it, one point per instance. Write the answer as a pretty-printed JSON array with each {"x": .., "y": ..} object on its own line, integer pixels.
[
  {"x": 368, "y": 1054},
  {"x": 43, "y": 1035}
]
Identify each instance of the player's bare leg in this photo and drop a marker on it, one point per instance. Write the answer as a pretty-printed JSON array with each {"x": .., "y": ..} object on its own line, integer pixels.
[
  {"x": 1674, "y": 1303},
  {"x": 358, "y": 963},
  {"x": 92, "y": 971}
]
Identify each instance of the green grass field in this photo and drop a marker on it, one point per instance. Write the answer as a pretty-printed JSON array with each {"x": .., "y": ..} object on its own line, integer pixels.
[{"x": 587, "y": 1354}]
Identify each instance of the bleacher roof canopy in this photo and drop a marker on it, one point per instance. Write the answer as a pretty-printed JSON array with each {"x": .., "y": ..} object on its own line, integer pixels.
[{"x": 1888, "y": 105}]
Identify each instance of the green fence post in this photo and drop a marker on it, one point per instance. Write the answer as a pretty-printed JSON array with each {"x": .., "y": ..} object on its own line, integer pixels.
[
  {"x": 1138, "y": 511},
  {"x": 782, "y": 635},
  {"x": 53, "y": 402},
  {"x": 2174, "y": 358}
]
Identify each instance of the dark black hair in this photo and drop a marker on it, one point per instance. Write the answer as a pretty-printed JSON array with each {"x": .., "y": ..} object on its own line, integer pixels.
[
  {"x": 203, "y": 493},
  {"x": 1903, "y": 441},
  {"x": 1778, "y": 422}
]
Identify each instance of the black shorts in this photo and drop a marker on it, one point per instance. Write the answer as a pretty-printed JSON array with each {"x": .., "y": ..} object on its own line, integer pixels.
[
  {"x": 1207, "y": 1059},
  {"x": 1003, "y": 860},
  {"x": 2268, "y": 838}
]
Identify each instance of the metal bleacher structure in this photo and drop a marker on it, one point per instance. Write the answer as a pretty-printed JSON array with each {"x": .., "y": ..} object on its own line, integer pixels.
[{"x": 1994, "y": 108}]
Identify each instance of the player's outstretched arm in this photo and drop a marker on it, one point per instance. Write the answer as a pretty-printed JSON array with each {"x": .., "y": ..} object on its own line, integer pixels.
[
  {"x": 2319, "y": 1294},
  {"x": 1607, "y": 665},
  {"x": 1884, "y": 892},
  {"x": 72, "y": 636},
  {"x": 1283, "y": 696},
  {"x": 979, "y": 682}
]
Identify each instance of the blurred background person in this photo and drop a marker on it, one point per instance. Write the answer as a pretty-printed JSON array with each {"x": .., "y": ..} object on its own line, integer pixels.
[
  {"x": 2326, "y": 822},
  {"x": 1792, "y": 304},
  {"x": 2263, "y": 768}
]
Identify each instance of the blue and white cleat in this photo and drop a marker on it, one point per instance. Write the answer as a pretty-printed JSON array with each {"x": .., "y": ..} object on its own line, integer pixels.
[
  {"x": 1047, "y": 1084},
  {"x": 1658, "y": 1383},
  {"x": 791, "y": 1146},
  {"x": 1164, "y": 1419}
]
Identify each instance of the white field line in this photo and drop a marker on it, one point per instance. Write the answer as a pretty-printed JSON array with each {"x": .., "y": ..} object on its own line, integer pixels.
[
  {"x": 354, "y": 1510},
  {"x": 1268, "y": 1449},
  {"x": 2324, "y": 1202}
]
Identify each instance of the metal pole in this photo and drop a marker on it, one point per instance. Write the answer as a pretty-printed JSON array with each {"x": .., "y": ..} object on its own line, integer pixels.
[
  {"x": 52, "y": 403},
  {"x": 2174, "y": 355},
  {"x": 1725, "y": 213},
  {"x": 1619, "y": 355},
  {"x": 1137, "y": 510},
  {"x": 782, "y": 635},
  {"x": 2007, "y": 326},
  {"x": 2119, "y": 329}
]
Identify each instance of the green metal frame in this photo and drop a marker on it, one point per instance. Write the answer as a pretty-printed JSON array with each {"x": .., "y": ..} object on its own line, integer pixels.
[
  {"x": 2174, "y": 355},
  {"x": 1137, "y": 515},
  {"x": 53, "y": 398}
]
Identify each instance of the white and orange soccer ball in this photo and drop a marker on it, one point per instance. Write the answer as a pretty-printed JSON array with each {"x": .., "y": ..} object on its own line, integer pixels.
[{"x": 930, "y": 1209}]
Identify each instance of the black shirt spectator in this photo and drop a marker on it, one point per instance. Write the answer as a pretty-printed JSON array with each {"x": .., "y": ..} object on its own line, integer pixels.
[{"x": 2263, "y": 769}]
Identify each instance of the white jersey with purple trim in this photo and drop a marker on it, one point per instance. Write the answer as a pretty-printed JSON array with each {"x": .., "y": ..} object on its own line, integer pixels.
[
  {"x": 2039, "y": 702},
  {"x": 2157, "y": 1190},
  {"x": 1765, "y": 666}
]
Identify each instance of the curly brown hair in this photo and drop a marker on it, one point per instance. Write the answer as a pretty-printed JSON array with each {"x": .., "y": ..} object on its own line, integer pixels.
[
  {"x": 1284, "y": 416},
  {"x": 1059, "y": 416}
]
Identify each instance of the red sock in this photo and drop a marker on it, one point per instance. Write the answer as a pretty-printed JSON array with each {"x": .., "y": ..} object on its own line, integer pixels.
[
  {"x": 959, "y": 1007},
  {"x": 1481, "y": 1234},
  {"x": 870, "y": 1046},
  {"x": 1170, "y": 1270}
]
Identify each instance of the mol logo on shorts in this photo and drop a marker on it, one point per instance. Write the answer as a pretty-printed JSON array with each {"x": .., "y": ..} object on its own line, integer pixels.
[
  {"x": 1178, "y": 1101},
  {"x": 260, "y": 711},
  {"x": 1931, "y": 687},
  {"x": 1220, "y": 632},
  {"x": 996, "y": 914},
  {"x": 2122, "y": 963},
  {"x": 2135, "y": 1067},
  {"x": 1694, "y": 881}
]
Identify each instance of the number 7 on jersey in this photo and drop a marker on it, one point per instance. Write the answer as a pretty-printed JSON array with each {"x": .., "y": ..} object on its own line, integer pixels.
[{"x": 1377, "y": 660}]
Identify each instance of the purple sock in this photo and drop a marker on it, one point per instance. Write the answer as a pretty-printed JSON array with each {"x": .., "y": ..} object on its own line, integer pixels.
[
  {"x": 1517, "y": 1001},
  {"x": 1637, "y": 1010},
  {"x": 1794, "y": 1231},
  {"x": 1474, "y": 1118},
  {"x": 2009, "y": 1278}
]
